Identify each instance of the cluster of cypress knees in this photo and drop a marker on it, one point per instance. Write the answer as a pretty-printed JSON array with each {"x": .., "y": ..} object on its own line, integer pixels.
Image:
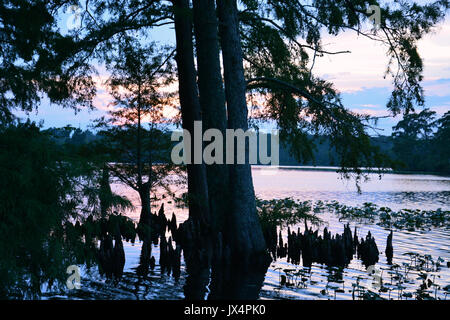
[
  {"x": 333, "y": 251},
  {"x": 111, "y": 258},
  {"x": 309, "y": 246}
]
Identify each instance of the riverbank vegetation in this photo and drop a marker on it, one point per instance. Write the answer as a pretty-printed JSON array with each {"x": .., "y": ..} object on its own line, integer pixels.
[{"x": 420, "y": 143}]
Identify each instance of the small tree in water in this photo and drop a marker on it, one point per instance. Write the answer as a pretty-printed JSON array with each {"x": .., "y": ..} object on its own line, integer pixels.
[{"x": 134, "y": 132}]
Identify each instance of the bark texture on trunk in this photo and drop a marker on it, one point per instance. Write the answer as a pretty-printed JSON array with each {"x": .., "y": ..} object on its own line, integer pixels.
[
  {"x": 212, "y": 101},
  {"x": 190, "y": 109},
  {"x": 212, "y": 235},
  {"x": 248, "y": 240},
  {"x": 195, "y": 232}
]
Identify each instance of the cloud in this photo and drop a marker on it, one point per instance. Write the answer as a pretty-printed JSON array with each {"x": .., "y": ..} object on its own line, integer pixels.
[
  {"x": 350, "y": 72},
  {"x": 440, "y": 110},
  {"x": 434, "y": 49},
  {"x": 371, "y": 106},
  {"x": 372, "y": 112},
  {"x": 364, "y": 67},
  {"x": 102, "y": 99},
  {"x": 439, "y": 88}
]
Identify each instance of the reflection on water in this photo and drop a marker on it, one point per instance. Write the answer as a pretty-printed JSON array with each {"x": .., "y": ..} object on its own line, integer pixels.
[{"x": 397, "y": 191}]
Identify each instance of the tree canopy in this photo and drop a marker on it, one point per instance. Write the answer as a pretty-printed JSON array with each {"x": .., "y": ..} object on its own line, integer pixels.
[{"x": 280, "y": 42}]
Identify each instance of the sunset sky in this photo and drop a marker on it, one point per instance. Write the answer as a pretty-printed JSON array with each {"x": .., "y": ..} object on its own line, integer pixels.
[{"x": 357, "y": 75}]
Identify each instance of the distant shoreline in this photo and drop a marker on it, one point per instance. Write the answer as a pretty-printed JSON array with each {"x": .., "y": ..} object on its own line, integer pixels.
[{"x": 334, "y": 169}]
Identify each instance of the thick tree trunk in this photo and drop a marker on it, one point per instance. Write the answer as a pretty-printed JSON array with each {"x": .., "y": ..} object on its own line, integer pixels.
[
  {"x": 144, "y": 194},
  {"x": 195, "y": 232},
  {"x": 146, "y": 214},
  {"x": 139, "y": 138},
  {"x": 247, "y": 242},
  {"x": 144, "y": 229},
  {"x": 190, "y": 109},
  {"x": 212, "y": 101}
]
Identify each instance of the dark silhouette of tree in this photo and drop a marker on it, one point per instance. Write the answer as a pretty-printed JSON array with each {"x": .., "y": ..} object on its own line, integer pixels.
[
  {"x": 133, "y": 131},
  {"x": 416, "y": 125},
  {"x": 282, "y": 40},
  {"x": 49, "y": 197},
  {"x": 37, "y": 58},
  {"x": 197, "y": 255},
  {"x": 421, "y": 143},
  {"x": 412, "y": 139},
  {"x": 442, "y": 144}
]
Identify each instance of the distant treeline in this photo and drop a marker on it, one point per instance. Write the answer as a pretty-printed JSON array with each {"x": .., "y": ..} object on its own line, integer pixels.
[{"x": 419, "y": 143}]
